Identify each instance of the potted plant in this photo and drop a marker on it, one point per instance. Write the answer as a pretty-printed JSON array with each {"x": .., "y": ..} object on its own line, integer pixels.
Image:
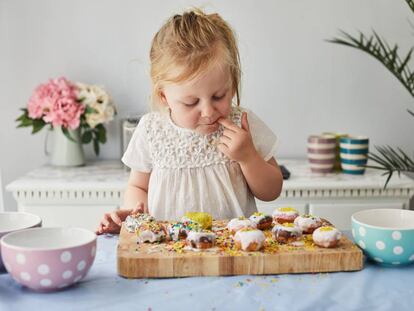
[
  {"x": 390, "y": 160},
  {"x": 75, "y": 112}
]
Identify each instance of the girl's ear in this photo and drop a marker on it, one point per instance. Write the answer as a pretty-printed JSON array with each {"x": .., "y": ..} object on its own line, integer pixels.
[{"x": 163, "y": 99}]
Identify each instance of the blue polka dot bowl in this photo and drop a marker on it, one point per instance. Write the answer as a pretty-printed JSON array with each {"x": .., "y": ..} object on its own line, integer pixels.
[
  {"x": 386, "y": 236},
  {"x": 48, "y": 259}
]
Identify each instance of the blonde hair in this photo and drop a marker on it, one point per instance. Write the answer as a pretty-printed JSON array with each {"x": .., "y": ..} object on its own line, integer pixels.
[{"x": 187, "y": 45}]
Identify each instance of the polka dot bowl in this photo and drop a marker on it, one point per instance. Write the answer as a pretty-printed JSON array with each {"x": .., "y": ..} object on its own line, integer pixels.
[
  {"x": 14, "y": 221},
  {"x": 48, "y": 259},
  {"x": 386, "y": 236}
]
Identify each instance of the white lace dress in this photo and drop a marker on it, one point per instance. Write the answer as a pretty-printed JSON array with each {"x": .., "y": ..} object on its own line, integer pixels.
[{"x": 188, "y": 172}]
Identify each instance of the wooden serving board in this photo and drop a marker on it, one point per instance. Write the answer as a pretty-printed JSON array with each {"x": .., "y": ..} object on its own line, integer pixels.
[{"x": 157, "y": 261}]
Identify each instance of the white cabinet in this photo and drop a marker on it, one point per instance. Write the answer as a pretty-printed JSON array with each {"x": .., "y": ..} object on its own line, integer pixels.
[
  {"x": 339, "y": 213},
  {"x": 79, "y": 196},
  {"x": 337, "y": 196}
]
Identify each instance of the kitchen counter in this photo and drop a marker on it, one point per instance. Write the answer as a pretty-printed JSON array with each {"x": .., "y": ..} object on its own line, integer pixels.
[{"x": 373, "y": 288}]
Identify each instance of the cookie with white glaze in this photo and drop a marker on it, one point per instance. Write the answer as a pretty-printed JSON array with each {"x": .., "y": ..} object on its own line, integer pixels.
[
  {"x": 326, "y": 236},
  {"x": 282, "y": 215},
  {"x": 249, "y": 239},
  {"x": 286, "y": 233}
]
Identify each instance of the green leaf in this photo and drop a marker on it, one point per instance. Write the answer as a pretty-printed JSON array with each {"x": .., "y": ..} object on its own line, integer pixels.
[
  {"x": 91, "y": 110},
  {"x": 67, "y": 134},
  {"x": 38, "y": 124},
  {"x": 86, "y": 137},
  {"x": 101, "y": 133},
  {"x": 96, "y": 146}
]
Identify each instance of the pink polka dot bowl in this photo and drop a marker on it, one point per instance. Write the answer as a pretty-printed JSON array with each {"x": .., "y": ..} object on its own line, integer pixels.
[
  {"x": 14, "y": 221},
  {"x": 48, "y": 259}
]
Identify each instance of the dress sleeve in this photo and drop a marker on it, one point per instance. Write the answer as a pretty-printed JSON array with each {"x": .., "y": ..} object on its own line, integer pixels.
[
  {"x": 264, "y": 139},
  {"x": 137, "y": 156}
]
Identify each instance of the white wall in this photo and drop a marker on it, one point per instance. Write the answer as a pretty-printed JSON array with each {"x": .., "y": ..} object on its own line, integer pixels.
[{"x": 298, "y": 83}]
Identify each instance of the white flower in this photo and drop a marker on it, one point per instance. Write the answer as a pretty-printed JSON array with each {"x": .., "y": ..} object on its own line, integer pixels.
[{"x": 95, "y": 97}]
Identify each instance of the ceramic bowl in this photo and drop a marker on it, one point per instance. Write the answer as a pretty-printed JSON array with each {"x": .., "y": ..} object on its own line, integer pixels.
[
  {"x": 47, "y": 259},
  {"x": 13, "y": 221},
  {"x": 385, "y": 235}
]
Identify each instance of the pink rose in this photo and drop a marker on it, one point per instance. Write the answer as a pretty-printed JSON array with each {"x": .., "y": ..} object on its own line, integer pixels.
[{"x": 56, "y": 103}]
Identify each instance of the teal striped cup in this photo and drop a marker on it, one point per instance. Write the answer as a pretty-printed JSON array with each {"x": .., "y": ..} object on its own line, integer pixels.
[{"x": 353, "y": 152}]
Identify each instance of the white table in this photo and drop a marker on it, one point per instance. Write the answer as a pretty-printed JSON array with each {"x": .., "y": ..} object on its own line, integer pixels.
[{"x": 79, "y": 196}]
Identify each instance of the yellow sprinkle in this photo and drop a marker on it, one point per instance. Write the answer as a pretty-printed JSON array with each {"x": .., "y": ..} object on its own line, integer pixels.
[
  {"x": 287, "y": 209},
  {"x": 326, "y": 228}
]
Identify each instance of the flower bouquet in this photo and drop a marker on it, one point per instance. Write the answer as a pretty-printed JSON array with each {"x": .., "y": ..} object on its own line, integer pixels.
[{"x": 70, "y": 106}]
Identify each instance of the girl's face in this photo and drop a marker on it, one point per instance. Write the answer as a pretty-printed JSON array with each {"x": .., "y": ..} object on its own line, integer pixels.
[{"x": 198, "y": 104}]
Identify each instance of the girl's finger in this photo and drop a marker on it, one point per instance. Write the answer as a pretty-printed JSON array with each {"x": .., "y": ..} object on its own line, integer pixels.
[
  {"x": 225, "y": 140},
  {"x": 228, "y": 133},
  {"x": 106, "y": 220},
  {"x": 223, "y": 147},
  {"x": 228, "y": 124},
  {"x": 115, "y": 218}
]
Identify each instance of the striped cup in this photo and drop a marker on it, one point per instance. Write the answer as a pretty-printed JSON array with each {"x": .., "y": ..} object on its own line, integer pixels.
[
  {"x": 321, "y": 153},
  {"x": 354, "y": 154}
]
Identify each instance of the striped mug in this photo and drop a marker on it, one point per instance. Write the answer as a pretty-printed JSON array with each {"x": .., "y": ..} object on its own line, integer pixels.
[
  {"x": 354, "y": 154},
  {"x": 321, "y": 153}
]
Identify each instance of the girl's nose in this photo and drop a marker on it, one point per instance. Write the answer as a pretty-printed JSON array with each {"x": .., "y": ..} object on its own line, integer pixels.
[{"x": 207, "y": 109}]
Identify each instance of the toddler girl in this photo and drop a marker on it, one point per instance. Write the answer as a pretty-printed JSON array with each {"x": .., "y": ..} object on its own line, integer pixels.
[{"x": 197, "y": 151}]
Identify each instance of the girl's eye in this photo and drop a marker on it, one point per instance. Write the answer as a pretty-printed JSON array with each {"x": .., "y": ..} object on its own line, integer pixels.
[
  {"x": 192, "y": 104},
  {"x": 219, "y": 97}
]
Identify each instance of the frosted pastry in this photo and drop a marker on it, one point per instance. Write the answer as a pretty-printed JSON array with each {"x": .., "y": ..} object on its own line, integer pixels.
[
  {"x": 284, "y": 214},
  {"x": 150, "y": 232},
  {"x": 326, "y": 236},
  {"x": 236, "y": 224},
  {"x": 308, "y": 223},
  {"x": 179, "y": 230},
  {"x": 201, "y": 239},
  {"x": 262, "y": 221},
  {"x": 133, "y": 221},
  {"x": 286, "y": 233},
  {"x": 249, "y": 239}
]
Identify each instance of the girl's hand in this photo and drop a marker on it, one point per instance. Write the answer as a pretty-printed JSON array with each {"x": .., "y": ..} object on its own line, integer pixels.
[
  {"x": 112, "y": 222},
  {"x": 237, "y": 143}
]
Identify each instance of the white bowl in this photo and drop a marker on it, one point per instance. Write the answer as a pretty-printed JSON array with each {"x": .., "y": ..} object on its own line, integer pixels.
[
  {"x": 47, "y": 259},
  {"x": 14, "y": 221}
]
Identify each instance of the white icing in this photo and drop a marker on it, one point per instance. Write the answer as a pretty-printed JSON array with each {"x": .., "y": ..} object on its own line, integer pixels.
[
  {"x": 132, "y": 222},
  {"x": 307, "y": 222},
  {"x": 236, "y": 224},
  {"x": 277, "y": 212},
  {"x": 257, "y": 218},
  {"x": 248, "y": 237},
  {"x": 196, "y": 235},
  {"x": 295, "y": 230},
  {"x": 324, "y": 238},
  {"x": 149, "y": 236}
]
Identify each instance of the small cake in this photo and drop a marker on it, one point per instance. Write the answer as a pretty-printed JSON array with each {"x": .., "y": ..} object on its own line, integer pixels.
[
  {"x": 236, "y": 224},
  {"x": 284, "y": 214},
  {"x": 150, "y": 232},
  {"x": 286, "y": 233},
  {"x": 308, "y": 223},
  {"x": 326, "y": 236},
  {"x": 204, "y": 219},
  {"x": 249, "y": 239},
  {"x": 133, "y": 221},
  {"x": 201, "y": 239},
  {"x": 262, "y": 221},
  {"x": 179, "y": 230}
]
